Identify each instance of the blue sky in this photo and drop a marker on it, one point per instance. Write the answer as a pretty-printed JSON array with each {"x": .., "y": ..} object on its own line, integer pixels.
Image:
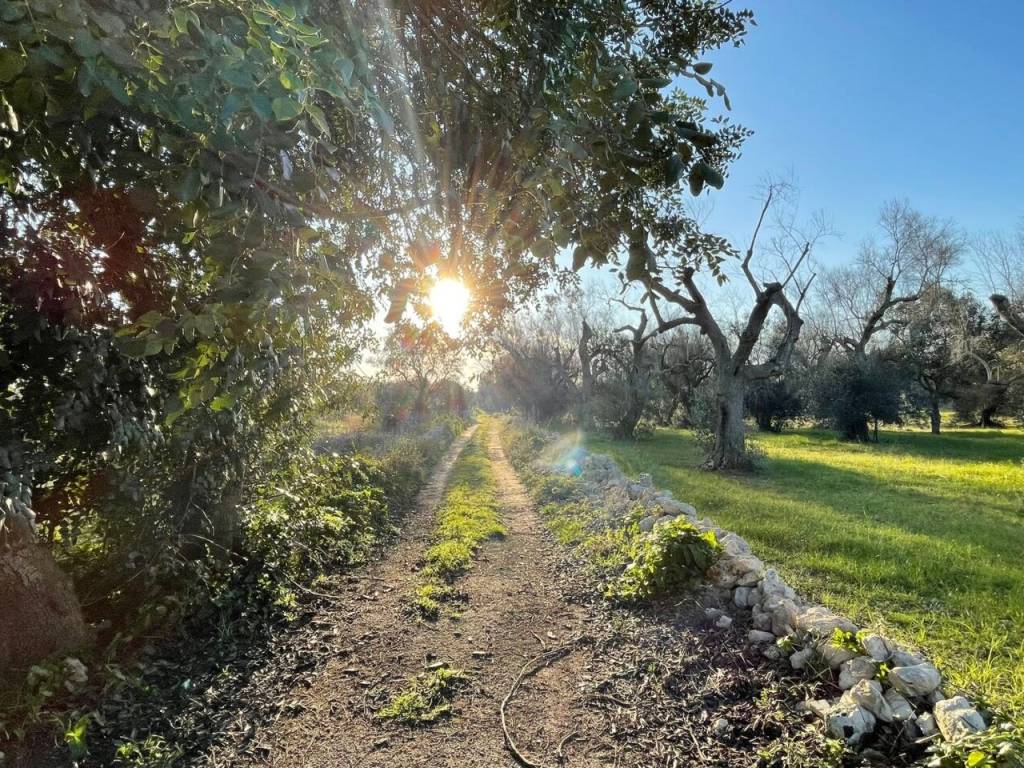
[{"x": 863, "y": 101}]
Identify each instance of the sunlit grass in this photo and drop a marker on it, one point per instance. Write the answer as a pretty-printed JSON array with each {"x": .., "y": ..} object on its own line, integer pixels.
[
  {"x": 921, "y": 535},
  {"x": 468, "y": 516}
]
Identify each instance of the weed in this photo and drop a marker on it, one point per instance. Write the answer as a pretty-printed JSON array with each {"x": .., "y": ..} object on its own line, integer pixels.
[{"x": 427, "y": 698}]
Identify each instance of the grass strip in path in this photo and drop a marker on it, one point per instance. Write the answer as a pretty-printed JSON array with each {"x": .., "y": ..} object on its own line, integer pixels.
[{"x": 467, "y": 517}]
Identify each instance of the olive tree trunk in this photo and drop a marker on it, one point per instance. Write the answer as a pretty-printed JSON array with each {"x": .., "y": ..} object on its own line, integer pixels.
[
  {"x": 39, "y": 613},
  {"x": 729, "y": 451}
]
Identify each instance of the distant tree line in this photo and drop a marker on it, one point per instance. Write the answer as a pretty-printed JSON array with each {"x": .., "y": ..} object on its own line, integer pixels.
[{"x": 901, "y": 333}]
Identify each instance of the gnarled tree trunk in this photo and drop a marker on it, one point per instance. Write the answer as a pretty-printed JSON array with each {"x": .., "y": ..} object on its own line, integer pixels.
[
  {"x": 729, "y": 451},
  {"x": 39, "y": 613}
]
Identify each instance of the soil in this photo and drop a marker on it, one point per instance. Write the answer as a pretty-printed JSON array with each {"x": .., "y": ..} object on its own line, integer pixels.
[
  {"x": 628, "y": 689},
  {"x": 652, "y": 687}
]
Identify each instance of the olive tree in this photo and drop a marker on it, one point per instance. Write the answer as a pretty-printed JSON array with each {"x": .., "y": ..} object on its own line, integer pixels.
[
  {"x": 868, "y": 300},
  {"x": 740, "y": 359}
]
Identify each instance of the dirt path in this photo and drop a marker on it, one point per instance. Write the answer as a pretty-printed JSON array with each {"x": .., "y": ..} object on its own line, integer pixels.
[{"x": 514, "y": 612}]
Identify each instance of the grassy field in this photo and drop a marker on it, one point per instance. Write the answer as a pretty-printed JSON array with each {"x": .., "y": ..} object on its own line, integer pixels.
[{"x": 919, "y": 535}]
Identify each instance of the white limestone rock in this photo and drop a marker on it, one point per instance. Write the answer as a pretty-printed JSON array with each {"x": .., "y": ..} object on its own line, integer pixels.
[
  {"x": 956, "y": 718},
  {"x": 833, "y": 654},
  {"x": 647, "y": 523},
  {"x": 801, "y": 658},
  {"x": 877, "y": 647},
  {"x": 731, "y": 571},
  {"x": 918, "y": 680},
  {"x": 819, "y": 621},
  {"x": 849, "y": 721},
  {"x": 740, "y": 596},
  {"x": 901, "y": 708},
  {"x": 724, "y": 622},
  {"x": 926, "y": 724},
  {"x": 901, "y": 657},
  {"x": 757, "y": 637},
  {"x": 733, "y": 545},
  {"x": 868, "y": 693},
  {"x": 855, "y": 670}
]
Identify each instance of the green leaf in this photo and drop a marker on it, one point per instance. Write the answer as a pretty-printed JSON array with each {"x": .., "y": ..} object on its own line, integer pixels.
[
  {"x": 976, "y": 758},
  {"x": 85, "y": 44},
  {"x": 290, "y": 80},
  {"x": 74, "y": 737},
  {"x": 11, "y": 64},
  {"x": 702, "y": 173},
  {"x": 319, "y": 118},
  {"x": 346, "y": 67},
  {"x": 180, "y": 16},
  {"x": 285, "y": 108},
  {"x": 222, "y": 402},
  {"x": 579, "y": 257},
  {"x": 189, "y": 186},
  {"x": 636, "y": 267},
  {"x": 626, "y": 88},
  {"x": 702, "y": 68},
  {"x": 674, "y": 168}
]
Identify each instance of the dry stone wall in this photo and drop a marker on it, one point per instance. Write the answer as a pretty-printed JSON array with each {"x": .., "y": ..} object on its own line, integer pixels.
[{"x": 882, "y": 682}]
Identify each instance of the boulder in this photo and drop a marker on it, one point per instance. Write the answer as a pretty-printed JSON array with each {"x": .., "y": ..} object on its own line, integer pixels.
[
  {"x": 849, "y": 721},
  {"x": 901, "y": 657},
  {"x": 772, "y": 585},
  {"x": 729, "y": 571},
  {"x": 855, "y": 670},
  {"x": 901, "y": 708},
  {"x": 783, "y": 612},
  {"x": 956, "y": 718},
  {"x": 918, "y": 680},
  {"x": 868, "y": 694},
  {"x": 734, "y": 545},
  {"x": 833, "y": 654},
  {"x": 762, "y": 620}
]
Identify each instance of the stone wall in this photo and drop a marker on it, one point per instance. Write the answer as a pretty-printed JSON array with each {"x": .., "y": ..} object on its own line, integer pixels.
[{"x": 882, "y": 682}]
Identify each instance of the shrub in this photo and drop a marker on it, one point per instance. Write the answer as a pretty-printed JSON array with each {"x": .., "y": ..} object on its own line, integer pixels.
[{"x": 670, "y": 558}]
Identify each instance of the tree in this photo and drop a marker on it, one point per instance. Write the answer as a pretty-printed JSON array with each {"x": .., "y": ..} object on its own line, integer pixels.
[
  {"x": 850, "y": 394},
  {"x": 737, "y": 363},
  {"x": 772, "y": 403},
  {"x": 930, "y": 342},
  {"x": 1000, "y": 259},
  {"x": 869, "y": 299},
  {"x": 218, "y": 192},
  {"x": 685, "y": 362},
  {"x": 423, "y": 358},
  {"x": 914, "y": 254},
  {"x": 629, "y": 373}
]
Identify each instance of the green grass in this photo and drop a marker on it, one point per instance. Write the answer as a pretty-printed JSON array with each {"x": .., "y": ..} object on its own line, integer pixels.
[
  {"x": 920, "y": 535},
  {"x": 468, "y": 516}
]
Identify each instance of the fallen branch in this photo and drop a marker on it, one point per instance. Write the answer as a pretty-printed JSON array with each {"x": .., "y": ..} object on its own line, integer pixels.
[
  {"x": 560, "y": 751},
  {"x": 531, "y": 667}
]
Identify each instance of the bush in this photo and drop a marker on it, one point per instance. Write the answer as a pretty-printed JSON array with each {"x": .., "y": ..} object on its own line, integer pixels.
[{"x": 671, "y": 558}]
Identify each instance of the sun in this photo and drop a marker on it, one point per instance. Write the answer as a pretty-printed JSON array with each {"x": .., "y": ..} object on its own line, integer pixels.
[{"x": 449, "y": 300}]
